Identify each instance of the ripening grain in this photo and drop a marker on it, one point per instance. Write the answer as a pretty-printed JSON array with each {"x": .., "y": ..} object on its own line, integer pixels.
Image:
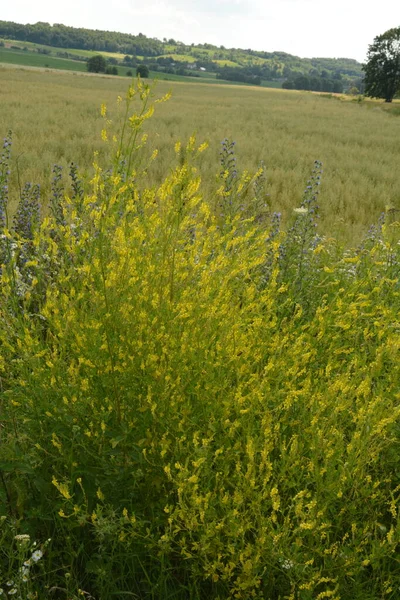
[{"x": 55, "y": 119}]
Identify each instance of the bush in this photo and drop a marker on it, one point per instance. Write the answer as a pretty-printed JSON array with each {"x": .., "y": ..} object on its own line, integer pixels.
[
  {"x": 96, "y": 64},
  {"x": 111, "y": 70},
  {"x": 142, "y": 71},
  {"x": 195, "y": 403}
]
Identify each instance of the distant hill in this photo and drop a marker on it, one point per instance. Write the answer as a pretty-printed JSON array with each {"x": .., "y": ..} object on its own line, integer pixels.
[{"x": 231, "y": 64}]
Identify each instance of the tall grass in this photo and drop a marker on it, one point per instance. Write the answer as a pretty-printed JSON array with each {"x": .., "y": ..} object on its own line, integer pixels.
[
  {"x": 195, "y": 403},
  {"x": 55, "y": 120}
]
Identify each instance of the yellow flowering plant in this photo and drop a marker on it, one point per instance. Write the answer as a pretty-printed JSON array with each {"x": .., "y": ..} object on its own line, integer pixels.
[{"x": 195, "y": 403}]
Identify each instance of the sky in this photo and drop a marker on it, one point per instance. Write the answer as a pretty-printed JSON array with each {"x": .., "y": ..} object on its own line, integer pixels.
[{"x": 306, "y": 28}]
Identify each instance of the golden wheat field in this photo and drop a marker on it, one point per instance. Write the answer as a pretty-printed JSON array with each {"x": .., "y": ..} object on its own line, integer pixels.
[{"x": 55, "y": 119}]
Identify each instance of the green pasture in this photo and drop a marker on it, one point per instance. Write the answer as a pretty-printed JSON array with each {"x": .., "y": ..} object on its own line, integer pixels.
[
  {"x": 30, "y": 59},
  {"x": 32, "y": 46}
]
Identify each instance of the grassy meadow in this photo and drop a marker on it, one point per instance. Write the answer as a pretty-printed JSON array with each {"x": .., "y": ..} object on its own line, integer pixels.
[{"x": 199, "y": 377}]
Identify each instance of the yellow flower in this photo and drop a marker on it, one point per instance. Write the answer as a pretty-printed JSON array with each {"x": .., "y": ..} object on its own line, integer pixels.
[
  {"x": 62, "y": 488},
  {"x": 202, "y": 147}
]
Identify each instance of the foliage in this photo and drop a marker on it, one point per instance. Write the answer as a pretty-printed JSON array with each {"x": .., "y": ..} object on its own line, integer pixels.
[
  {"x": 142, "y": 70},
  {"x": 314, "y": 83},
  {"x": 20, "y": 561},
  {"x": 231, "y": 64},
  {"x": 234, "y": 74},
  {"x": 63, "y": 36},
  {"x": 97, "y": 64},
  {"x": 382, "y": 69},
  {"x": 195, "y": 403},
  {"x": 111, "y": 70}
]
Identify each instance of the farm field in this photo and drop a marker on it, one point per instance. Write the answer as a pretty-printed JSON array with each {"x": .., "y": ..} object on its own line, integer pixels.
[
  {"x": 199, "y": 377},
  {"x": 31, "y": 59},
  {"x": 357, "y": 143},
  {"x": 19, "y": 57}
]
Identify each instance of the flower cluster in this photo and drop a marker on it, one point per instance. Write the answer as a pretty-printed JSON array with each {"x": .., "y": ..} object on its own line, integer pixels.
[
  {"x": 23, "y": 559},
  {"x": 197, "y": 402}
]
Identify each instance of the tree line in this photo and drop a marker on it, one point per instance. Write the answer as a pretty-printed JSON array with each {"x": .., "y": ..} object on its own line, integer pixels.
[
  {"x": 314, "y": 83},
  {"x": 63, "y": 36},
  {"x": 250, "y": 65}
]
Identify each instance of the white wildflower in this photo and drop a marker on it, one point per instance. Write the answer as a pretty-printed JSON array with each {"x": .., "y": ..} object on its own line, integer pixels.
[
  {"x": 22, "y": 537},
  {"x": 301, "y": 210},
  {"x": 12, "y": 592},
  {"x": 37, "y": 555},
  {"x": 287, "y": 564}
]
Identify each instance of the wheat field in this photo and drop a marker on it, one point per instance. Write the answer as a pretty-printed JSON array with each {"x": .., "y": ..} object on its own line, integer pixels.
[{"x": 55, "y": 119}]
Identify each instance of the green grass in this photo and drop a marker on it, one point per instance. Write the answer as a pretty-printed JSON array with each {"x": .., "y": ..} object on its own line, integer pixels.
[
  {"x": 180, "y": 57},
  {"x": 30, "y": 59},
  {"x": 226, "y": 63},
  {"x": 33, "y": 59},
  {"x": 54, "y": 49},
  {"x": 271, "y": 84}
]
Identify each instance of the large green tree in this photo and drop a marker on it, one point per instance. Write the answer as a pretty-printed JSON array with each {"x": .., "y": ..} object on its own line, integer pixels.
[
  {"x": 96, "y": 64},
  {"x": 382, "y": 69},
  {"x": 142, "y": 70}
]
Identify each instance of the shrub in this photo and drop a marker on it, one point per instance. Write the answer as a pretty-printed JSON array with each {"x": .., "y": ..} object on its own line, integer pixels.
[
  {"x": 142, "y": 70},
  {"x": 96, "y": 64},
  {"x": 111, "y": 70},
  {"x": 195, "y": 403}
]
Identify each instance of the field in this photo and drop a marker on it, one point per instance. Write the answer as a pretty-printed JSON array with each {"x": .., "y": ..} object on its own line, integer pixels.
[
  {"x": 199, "y": 378},
  {"x": 356, "y": 142},
  {"x": 14, "y": 56},
  {"x": 19, "y": 57}
]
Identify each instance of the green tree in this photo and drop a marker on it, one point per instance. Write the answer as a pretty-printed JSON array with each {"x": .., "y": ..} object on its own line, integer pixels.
[
  {"x": 96, "y": 64},
  {"x": 382, "y": 69},
  {"x": 142, "y": 70},
  {"x": 111, "y": 70}
]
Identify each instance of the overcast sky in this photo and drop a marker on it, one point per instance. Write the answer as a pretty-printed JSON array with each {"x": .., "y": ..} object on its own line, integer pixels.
[{"x": 306, "y": 28}]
